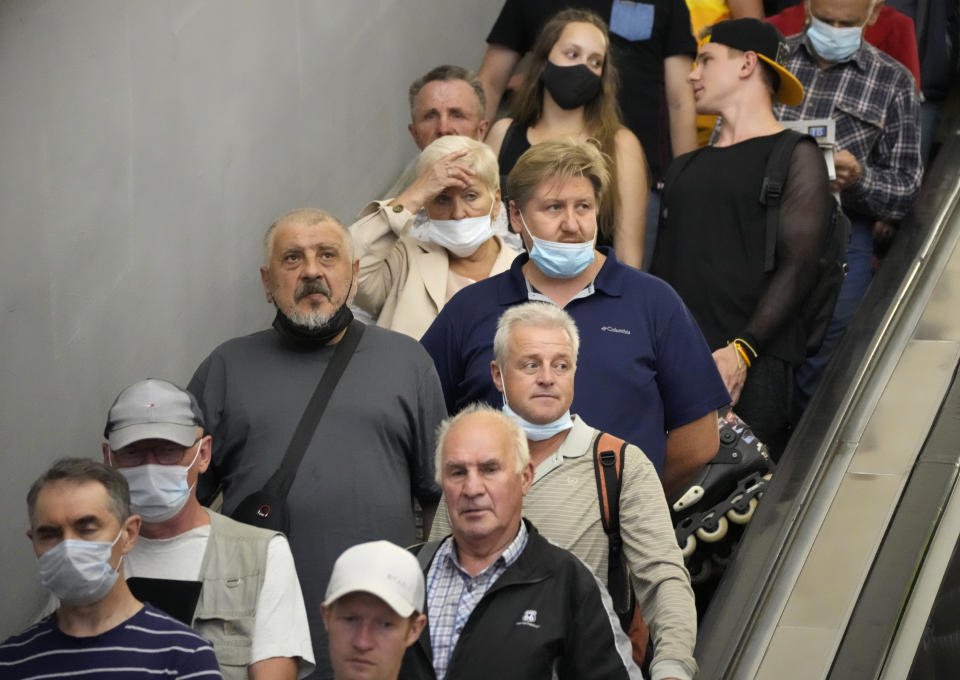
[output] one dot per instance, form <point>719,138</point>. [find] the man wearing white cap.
<point>235,584</point>
<point>372,610</point>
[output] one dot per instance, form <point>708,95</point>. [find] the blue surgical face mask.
<point>159,492</point>
<point>462,237</point>
<point>832,43</point>
<point>79,572</point>
<point>559,260</point>
<point>534,432</point>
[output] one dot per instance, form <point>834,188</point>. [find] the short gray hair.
<point>539,314</point>
<point>78,471</point>
<point>448,72</point>
<point>521,449</point>
<point>309,216</point>
<point>479,158</point>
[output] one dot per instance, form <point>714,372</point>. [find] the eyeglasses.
<point>164,454</point>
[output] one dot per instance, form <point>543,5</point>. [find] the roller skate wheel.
<point>717,534</point>
<point>688,547</point>
<point>742,517</point>
<point>700,573</point>
<point>720,561</point>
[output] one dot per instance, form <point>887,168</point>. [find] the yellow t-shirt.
<point>705,13</point>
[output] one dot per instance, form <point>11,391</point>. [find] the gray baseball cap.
<point>153,409</point>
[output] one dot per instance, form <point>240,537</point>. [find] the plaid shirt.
<point>876,105</point>
<point>452,595</point>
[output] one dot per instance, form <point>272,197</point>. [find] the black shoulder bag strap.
<point>771,191</point>
<point>425,554</point>
<point>282,479</point>
<point>267,508</point>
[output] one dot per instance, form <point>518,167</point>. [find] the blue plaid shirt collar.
<point>448,551</point>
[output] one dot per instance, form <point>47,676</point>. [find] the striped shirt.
<point>452,595</point>
<point>875,103</point>
<point>149,644</point>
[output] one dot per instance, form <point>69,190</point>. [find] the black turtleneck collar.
<point>305,338</point>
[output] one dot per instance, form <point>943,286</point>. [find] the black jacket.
<point>546,612</point>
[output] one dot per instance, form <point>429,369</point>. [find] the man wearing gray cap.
<point>373,610</point>
<point>235,584</point>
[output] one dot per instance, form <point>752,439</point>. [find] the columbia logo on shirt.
<point>612,329</point>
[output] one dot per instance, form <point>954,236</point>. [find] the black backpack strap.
<point>771,190</point>
<point>282,479</point>
<point>608,460</point>
<point>425,553</point>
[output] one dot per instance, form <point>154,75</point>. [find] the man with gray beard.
<point>371,453</point>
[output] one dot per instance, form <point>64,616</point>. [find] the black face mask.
<point>570,86</point>
<point>311,338</point>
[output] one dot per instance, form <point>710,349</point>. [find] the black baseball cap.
<point>753,35</point>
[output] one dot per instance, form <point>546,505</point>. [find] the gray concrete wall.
<point>145,146</point>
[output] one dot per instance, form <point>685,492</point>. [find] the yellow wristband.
<point>743,354</point>
<point>741,343</point>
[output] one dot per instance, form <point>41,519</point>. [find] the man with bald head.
<point>370,454</point>
<point>503,601</point>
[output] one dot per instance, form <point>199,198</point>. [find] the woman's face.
<point>580,43</point>
<point>454,203</point>
<point>563,211</point>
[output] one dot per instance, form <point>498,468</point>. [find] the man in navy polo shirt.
<point>645,373</point>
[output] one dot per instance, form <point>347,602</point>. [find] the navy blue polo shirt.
<point>644,367</point>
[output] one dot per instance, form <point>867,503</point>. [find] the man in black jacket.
<point>501,600</point>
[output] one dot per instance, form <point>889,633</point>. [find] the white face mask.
<point>159,492</point>
<point>79,572</point>
<point>462,237</point>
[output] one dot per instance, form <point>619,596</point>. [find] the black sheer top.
<point>710,245</point>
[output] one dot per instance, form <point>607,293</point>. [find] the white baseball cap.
<point>382,569</point>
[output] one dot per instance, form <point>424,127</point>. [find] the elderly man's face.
<point>446,107</point>
<point>80,511</point>
<point>538,372</point>
<point>841,13</point>
<point>368,638</point>
<point>309,275</point>
<point>483,488</point>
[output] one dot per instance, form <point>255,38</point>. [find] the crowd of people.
<point>417,495</point>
